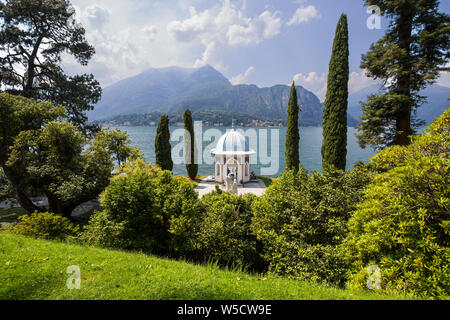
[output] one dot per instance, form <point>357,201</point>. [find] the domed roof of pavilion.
<point>232,143</point>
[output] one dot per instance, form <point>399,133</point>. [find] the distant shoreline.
<point>174,126</point>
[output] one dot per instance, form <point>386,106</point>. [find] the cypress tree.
<point>293,135</point>
<point>334,147</point>
<point>163,149</point>
<point>190,146</point>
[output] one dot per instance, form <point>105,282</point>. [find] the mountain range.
<point>436,102</point>
<point>174,89</point>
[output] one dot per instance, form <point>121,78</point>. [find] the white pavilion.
<point>232,158</point>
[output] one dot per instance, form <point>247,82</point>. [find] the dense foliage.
<point>163,149</point>
<point>292,134</point>
<point>39,151</point>
<point>410,56</point>
<point>330,227</point>
<point>44,225</point>
<point>190,146</point>
<point>144,208</point>
<point>223,230</point>
<point>334,146</point>
<point>302,219</point>
<point>403,224</point>
<point>34,34</point>
<point>6,189</point>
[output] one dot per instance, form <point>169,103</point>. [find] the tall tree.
<point>190,146</point>
<point>410,56</point>
<point>39,151</point>
<point>163,149</point>
<point>293,135</point>
<point>334,147</point>
<point>33,36</point>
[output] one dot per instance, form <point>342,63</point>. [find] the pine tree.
<point>409,57</point>
<point>34,37</point>
<point>293,135</point>
<point>334,147</point>
<point>163,149</point>
<point>190,146</point>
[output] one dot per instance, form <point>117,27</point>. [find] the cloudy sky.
<point>262,42</point>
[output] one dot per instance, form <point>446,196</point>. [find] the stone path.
<point>256,187</point>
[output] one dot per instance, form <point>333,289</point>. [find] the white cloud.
<point>225,24</point>
<point>192,28</point>
<point>222,26</point>
<point>359,81</point>
<point>118,54</point>
<point>317,83</point>
<point>444,79</point>
<point>311,78</point>
<point>241,78</point>
<point>304,14</point>
<point>150,32</point>
<point>265,26</point>
<point>314,82</point>
<point>211,55</point>
<point>96,16</point>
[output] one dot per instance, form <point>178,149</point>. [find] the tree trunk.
<point>404,127</point>
<point>16,180</point>
<point>403,121</point>
<point>28,89</point>
<point>59,207</point>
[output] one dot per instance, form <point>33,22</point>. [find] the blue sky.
<point>262,42</point>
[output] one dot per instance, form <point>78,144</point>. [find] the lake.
<point>270,157</point>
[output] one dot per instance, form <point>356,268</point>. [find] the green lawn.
<point>36,269</point>
<point>198,180</point>
<point>267,181</point>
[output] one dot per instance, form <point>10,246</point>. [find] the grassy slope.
<point>36,269</point>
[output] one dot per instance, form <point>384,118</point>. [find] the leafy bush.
<point>403,225</point>
<point>223,231</point>
<point>45,225</point>
<point>144,208</point>
<point>302,219</point>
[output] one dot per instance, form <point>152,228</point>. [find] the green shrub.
<point>302,219</point>
<point>45,225</point>
<point>403,225</point>
<point>144,208</point>
<point>223,230</point>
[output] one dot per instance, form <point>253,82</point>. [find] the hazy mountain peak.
<point>173,89</point>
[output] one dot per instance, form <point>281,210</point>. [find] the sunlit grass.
<point>267,181</point>
<point>36,269</point>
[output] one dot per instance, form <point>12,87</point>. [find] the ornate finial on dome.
<point>232,124</point>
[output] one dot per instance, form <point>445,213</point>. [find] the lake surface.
<point>270,158</point>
